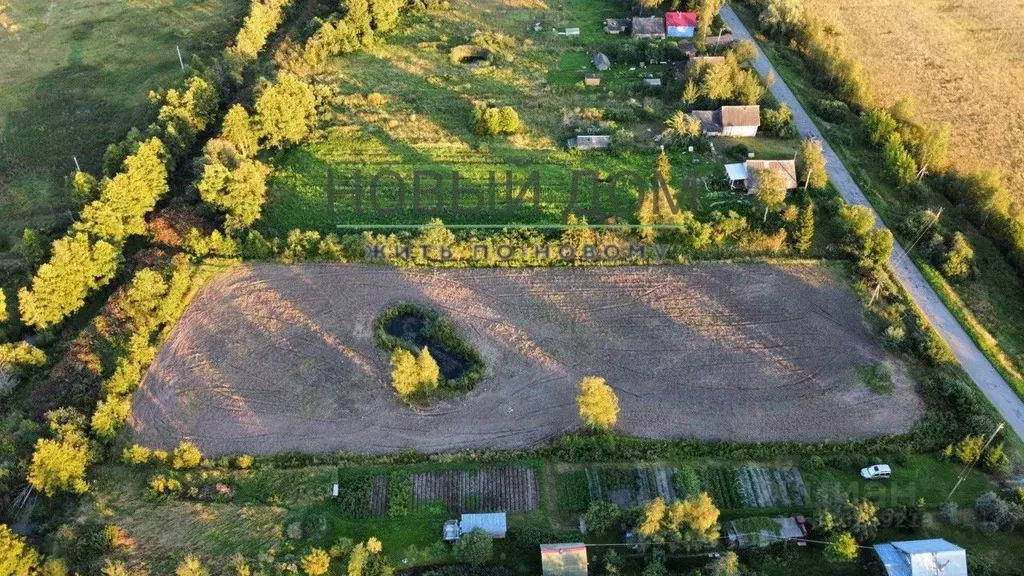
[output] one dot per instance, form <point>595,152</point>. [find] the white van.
<point>876,472</point>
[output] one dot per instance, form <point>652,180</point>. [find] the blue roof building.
<point>923,558</point>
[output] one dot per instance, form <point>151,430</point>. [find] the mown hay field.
<point>961,62</point>
<point>74,77</point>
<point>274,358</point>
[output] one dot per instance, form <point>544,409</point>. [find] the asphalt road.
<point>970,356</point>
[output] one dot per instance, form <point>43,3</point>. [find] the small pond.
<point>413,329</point>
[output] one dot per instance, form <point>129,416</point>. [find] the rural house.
<point>601,62</point>
<point>564,559</point>
<point>680,24</point>
<point>652,81</point>
<point>590,142</point>
<point>592,80</point>
<point>616,25</point>
<point>743,176</point>
<point>735,121</point>
<point>922,558</point>
<point>649,27</point>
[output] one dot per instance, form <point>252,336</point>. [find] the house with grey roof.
<point>743,176</point>
<point>734,121</point>
<point>648,27</point>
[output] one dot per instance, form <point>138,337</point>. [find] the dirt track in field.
<point>273,358</point>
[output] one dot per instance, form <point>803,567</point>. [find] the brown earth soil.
<point>274,358</point>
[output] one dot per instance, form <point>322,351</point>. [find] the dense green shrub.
<point>492,120</point>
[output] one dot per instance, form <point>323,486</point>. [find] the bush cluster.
<point>439,329</point>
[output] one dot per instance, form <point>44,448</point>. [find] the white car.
<point>876,472</point>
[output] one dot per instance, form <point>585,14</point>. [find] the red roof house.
<point>680,24</point>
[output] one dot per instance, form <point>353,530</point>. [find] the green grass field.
<point>75,77</point>
<point>424,123</point>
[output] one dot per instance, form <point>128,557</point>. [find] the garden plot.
<point>272,358</point>
<point>629,487</point>
<point>731,488</point>
<point>771,487</point>
<point>499,489</point>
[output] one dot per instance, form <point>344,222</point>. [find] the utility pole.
<point>970,466</point>
<point>180,60</point>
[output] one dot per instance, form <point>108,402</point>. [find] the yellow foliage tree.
<point>429,372</point>
<point>692,523</point>
<point>599,407</point>
<point>414,374</point>
<point>404,372</point>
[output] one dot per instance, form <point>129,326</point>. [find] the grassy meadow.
<point>74,77</point>
<point>959,61</point>
<point>405,106</point>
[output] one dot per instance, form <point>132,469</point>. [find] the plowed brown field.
<point>275,358</point>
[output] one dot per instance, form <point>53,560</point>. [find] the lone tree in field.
<point>191,566</point>
<point>599,407</point>
<point>771,190</point>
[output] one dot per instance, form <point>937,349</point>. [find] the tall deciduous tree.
<point>286,110</point>
<point>841,548</point>
<point>598,405</point>
<point>813,165</point>
<point>17,558</point>
<point>384,14</point>
<point>901,164</point>
<point>59,463</point>
<point>239,131</point>
<point>932,148</point>
<point>770,190</point>
<point>3,306</point>
<point>691,523</point>
<point>60,287</point>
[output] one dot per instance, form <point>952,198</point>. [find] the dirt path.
<point>273,358</point>
<point>967,352</point>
